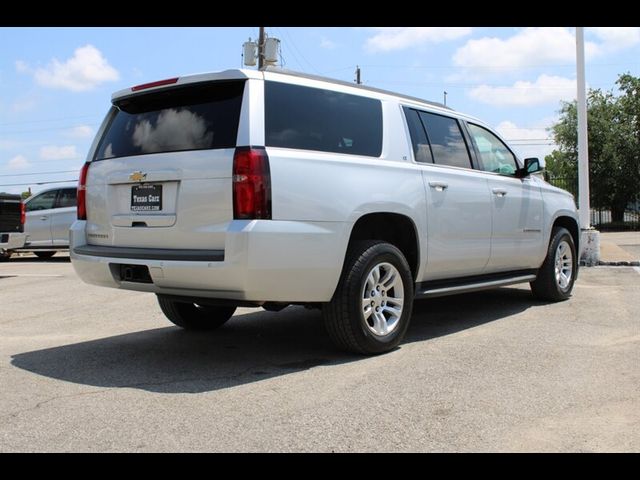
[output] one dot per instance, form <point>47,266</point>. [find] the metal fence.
<point>600,217</point>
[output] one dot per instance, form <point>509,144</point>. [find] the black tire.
<point>551,285</point>
<point>5,255</point>
<point>344,316</point>
<point>191,316</point>
<point>44,255</point>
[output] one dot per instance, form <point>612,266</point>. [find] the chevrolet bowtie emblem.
<point>137,176</point>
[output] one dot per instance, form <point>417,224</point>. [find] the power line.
<point>296,48</point>
<point>38,173</point>
<point>546,139</point>
<point>534,144</point>
<point>524,128</point>
<point>48,120</point>
<point>292,52</point>
<point>350,67</point>
<point>532,65</point>
<point>48,129</point>
<point>36,183</point>
<point>479,84</point>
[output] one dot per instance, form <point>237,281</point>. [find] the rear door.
<point>63,215</point>
<point>161,174</point>
<point>458,203</point>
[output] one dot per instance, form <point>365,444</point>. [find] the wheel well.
<point>393,228</point>
<point>571,225</point>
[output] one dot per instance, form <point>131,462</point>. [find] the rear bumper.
<point>279,261</point>
<point>11,241</point>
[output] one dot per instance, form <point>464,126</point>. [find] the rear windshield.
<point>322,120</point>
<point>197,117</point>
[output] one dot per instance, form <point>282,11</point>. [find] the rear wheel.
<point>4,255</point>
<point>558,272</point>
<point>44,255</point>
<point>192,316</point>
<point>371,308</point>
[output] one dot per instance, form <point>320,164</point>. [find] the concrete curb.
<point>620,264</point>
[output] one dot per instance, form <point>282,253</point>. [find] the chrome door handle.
<point>44,218</point>
<point>439,186</point>
<point>499,192</point>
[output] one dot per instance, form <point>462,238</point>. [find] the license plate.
<point>146,198</point>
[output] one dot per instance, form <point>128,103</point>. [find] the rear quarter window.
<point>194,117</point>
<point>322,120</point>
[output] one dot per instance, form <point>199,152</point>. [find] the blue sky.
<point>56,83</point>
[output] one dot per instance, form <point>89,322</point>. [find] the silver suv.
<point>50,214</point>
<point>270,188</point>
<point>48,217</point>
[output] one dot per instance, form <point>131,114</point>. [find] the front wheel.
<point>371,307</point>
<point>558,272</point>
<point>192,316</point>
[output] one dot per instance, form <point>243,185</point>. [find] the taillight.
<point>251,184</point>
<point>82,192</point>
<point>23,213</point>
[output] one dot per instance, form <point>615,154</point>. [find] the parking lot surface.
<point>85,368</point>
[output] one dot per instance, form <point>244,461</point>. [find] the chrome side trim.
<point>473,287</point>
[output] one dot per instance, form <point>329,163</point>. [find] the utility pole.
<point>261,49</point>
<point>445,98</point>
<point>589,238</point>
<point>358,81</point>
<point>583,144</point>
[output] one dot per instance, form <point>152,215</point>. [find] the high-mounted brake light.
<point>82,192</point>
<point>159,83</point>
<point>251,184</point>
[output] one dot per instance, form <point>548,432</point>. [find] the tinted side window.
<point>494,155</point>
<point>323,120</point>
<point>44,201</point>
<point>421,148</point>
<point>447,143</point>
<point>66,198</point>
<point>197,117</point>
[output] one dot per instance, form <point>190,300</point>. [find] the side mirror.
<point>532,165</point>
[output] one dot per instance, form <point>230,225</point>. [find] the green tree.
<point>614,145</point>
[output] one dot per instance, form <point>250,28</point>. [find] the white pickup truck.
<point>269,188</point>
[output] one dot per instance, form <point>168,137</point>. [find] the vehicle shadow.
<point>251,347</point>
<point>57,258</point>
<point>441,316</point>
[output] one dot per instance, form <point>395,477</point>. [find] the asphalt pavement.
<point>91,369</point>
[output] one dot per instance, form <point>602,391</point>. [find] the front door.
<point>39,210</point>
<point>517,224</point>
<point>516,205</point>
